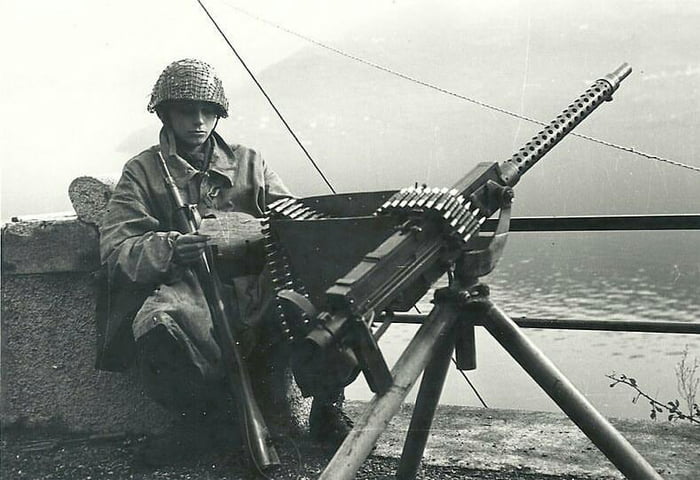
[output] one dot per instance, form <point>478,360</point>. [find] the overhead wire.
<point>267,97</point>
<point>472,100</point>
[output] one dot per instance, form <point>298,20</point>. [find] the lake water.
<point>602,276</point>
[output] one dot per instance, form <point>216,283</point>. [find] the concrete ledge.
<point>49,246</point>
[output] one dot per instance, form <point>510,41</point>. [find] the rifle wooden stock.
<point>262,453</point>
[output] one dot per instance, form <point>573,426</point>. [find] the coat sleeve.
<point>274,187</point>
<point>133,243</point>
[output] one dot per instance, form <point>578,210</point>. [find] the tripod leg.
<point>424,409</point>
<point>358,444</point>
<point>596,427</point>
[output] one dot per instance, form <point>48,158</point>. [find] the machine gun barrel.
<point>262,453</point>
<point>601,91</point>
<point>401,270</point>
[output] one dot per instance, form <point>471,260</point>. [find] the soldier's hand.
<point>188,248</point>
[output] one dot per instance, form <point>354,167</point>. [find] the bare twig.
<point>672,407</point>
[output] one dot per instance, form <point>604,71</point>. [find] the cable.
<point>269,100</point>
<point>470,384</point>
<point>377,66</point>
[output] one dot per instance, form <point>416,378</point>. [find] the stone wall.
<point>48,335</point>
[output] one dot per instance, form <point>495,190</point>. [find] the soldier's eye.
<point>185,109</point>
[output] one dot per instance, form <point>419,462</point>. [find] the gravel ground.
<point>41,456</point>
<point>465,443</point>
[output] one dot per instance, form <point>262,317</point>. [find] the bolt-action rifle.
<point>435,227</point>
<point>256,434</point>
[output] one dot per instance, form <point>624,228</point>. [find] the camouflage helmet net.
<point>189,79</point>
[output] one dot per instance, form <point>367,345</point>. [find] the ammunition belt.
<point>281,273</point>
<point>457,214</point>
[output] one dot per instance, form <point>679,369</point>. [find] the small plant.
<point>688,382</point>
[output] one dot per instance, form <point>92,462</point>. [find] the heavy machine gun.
<point>317,250</point>
<point>423,234</point>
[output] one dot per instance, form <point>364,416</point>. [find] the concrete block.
<point>48,352</point>
<point>89,196</point>
<point>45,246</point>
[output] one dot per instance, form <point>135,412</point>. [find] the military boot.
<point>328,423</point>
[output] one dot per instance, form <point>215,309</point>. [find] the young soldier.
<point>155,311</point>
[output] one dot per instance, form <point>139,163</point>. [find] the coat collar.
<point>222,163</point>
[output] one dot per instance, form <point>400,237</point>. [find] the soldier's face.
<point>192,122</point>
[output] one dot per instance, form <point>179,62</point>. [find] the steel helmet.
<point>189,79</point>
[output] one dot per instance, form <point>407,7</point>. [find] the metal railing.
<point>593,224</point>
<point>600,223</point>
<point>641,326</point>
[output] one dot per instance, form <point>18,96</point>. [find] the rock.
<point>89,196</point>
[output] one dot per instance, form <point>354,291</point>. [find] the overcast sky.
<point>76,74</point>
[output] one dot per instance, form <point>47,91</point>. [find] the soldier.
<point>155,312</point>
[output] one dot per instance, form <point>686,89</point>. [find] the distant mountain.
<point>371,130</point>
